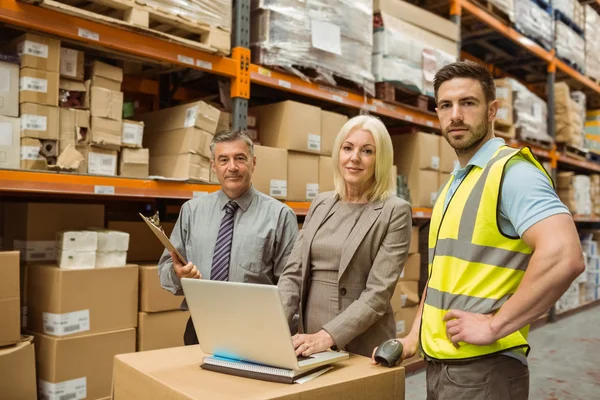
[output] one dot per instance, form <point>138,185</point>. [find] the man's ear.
<point>493,110</point>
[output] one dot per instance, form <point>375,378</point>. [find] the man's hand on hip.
<point>472,328</point>
<point>184,271</point>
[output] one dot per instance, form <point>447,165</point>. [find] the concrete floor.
<point>564,361</point>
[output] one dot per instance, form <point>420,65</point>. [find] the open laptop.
<point>246,322</point>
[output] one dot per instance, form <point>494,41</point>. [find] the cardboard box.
<point>161,330</point>
<point>290,125</point>
<point>179,141</point>
<point>423,186</point>
<point>31,159</point>
<point>200,115</point>
<point>76,302</point>
<point>38,52</point>
<point>106,133</point>
<point>325,174</point>
<point>181,166</point>
<point>105,83</point>
<point>504,90</point>
<point>143,244</point>
<point>40,87</point>
<point>405,295</point>
<point>418,16</point>
<point>414,240</point>
<point>504,116</point>
<point>74,128</point>
<point>72,64</point>
<point>105,103</point>
<point>167,373</point>
<point>82,366</point>
<point>270,174</point>
<point>419,150</point>
<point>412,268</point>
<point>73,94</point>
<point>133,134</point>
<point>153,298</point>
<point>10,306</point>
<point>9,89</point>
<point>10,142</point>
<point>98,161</point>
<point>31,227</point>
<point>448,158</point>
<point>331,124</point>
<point>102,70</point>
<point>443,178</point>
<point>404,320</point>
<point>303,176</point>
<point>17,369</point>
<point>38,121</point>
<point>134,163</point>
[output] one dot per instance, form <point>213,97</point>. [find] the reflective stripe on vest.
<point>473,266</point>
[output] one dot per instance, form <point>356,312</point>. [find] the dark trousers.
<point>189,337</point>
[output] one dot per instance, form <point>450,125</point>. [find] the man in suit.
<point>235,234</point>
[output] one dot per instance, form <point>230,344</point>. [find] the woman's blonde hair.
<point>384,155</point>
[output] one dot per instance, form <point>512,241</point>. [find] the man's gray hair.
<point>231,136</point>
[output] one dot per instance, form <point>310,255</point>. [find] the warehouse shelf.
<point>586,165</point>
<point>586,218</point>
<point>583,307</point>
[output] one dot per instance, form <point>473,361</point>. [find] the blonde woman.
<point>347,258</point>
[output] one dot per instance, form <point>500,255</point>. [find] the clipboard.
<point>154,226</point>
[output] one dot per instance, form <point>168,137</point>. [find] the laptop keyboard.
<point>302,358</point>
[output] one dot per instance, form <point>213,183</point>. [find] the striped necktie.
<point>222,254</point>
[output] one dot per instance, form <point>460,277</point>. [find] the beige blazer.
<point>370,266</point>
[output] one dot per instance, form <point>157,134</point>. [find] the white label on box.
<point>75,389</point>
<point>285,84</point>
<point>400,327</point>
<point>36,250</point>
<point>4,79</point>
<point>132,133</point>
<point>429,123</point>
<point>31,153</point>
<point>6,134</point>
<point>278,188</point>
<point>34,84</point>
<point>314,142</point>
<point>185,59</point>
<point>403,299</point>
<point>190,117</point>
<point>68,62</point>
<point>435,162</point>
<point>326,36</point>
<point>312,190</point>
<point>502,93</point>
<point>408,118</point>
<point>338,98</point>
<point>102,164</point>
<point>502,114</point>
<point>33,123</point>
<point>33,49</point>
<point>204,64</point>
<point>66,324</point>
<point>84,33</point>
<point>101,189</point>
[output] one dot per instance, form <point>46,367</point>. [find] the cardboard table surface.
<point>176,374</point>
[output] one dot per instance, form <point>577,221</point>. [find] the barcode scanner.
<point>389,352</point>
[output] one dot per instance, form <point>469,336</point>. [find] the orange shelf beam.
<point>590,166</point>
<point>294,84</point>
<point>113,38</point>
<point>576,75</point>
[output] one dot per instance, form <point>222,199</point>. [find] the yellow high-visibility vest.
<point>473,266</point>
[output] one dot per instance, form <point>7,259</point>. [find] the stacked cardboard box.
<point>592,47</point>
<point>570,45</point>
<point>17,369</point>
<point>134,161</point>
<point>568,117</point>
<point>10,124</point>
<point>592,130</point>
<point>10,328</point>
<point>178,139</point>
<point>161,323</point>
<point>405,300</point>
<point>91,249</point>
<point>595,193</point>
<point>417,156</point>
<point>504,117</point>
<point>410,44</point>
<point>575,192</point>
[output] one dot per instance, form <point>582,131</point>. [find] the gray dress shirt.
<point>264,233</point>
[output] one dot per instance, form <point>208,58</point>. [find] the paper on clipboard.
<point>160,234</point>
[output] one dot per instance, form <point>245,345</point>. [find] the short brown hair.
<point>231,136</point>
<point>466,69</point>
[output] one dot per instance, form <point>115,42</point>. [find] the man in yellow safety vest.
<point>502,250</point>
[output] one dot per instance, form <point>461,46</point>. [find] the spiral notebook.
<point>258,371</point>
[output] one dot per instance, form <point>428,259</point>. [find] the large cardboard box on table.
<point>10,142</point>
<point>331,124</point>
<point>143,244</point>
<point>271,171</point>
<point>161,330</point>
<point>404,320</point>
<point>81,301</point>
<point>153,298</point>
<point>412,268</point>
<point>303,176</point>
<point>181,166</point>
<point>290,125</point>
<point>81,367</point>
<point>38,121</point>
<point>10,307</point>
<point>167,373</point>
<point>38,52</point>
<point>9,89</point>
<point>17,371</point>
<point>325,174</point>
<point>40,87</point>
<point>199,115</point>
<point>134,163</point>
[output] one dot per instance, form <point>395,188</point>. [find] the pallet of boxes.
<point>569,118</point>
<point>79,295</point>
<point>575,192</point>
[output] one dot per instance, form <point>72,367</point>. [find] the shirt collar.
<point>243,201</point>
<point>483,155</point>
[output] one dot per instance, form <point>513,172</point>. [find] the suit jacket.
<point>371,262</point>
